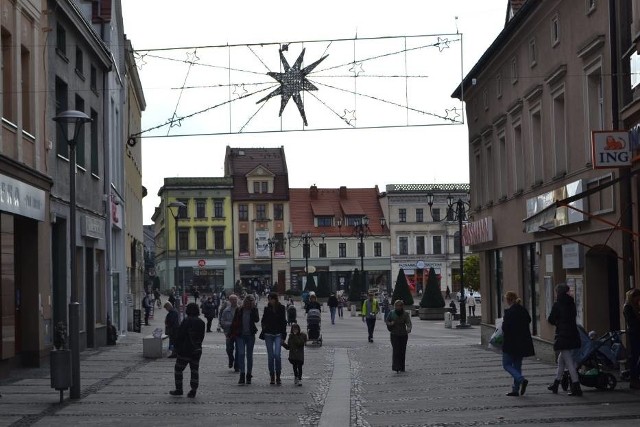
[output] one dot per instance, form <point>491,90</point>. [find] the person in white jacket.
<point>471,303</point>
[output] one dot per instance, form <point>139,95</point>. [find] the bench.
<point>154,348</point>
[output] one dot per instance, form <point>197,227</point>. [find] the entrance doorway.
<point>602,295</point>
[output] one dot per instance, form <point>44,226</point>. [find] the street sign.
<point>202,263</point>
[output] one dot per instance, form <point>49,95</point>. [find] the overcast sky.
<point>355,158</point>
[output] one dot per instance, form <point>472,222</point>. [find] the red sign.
<point>201,263</point>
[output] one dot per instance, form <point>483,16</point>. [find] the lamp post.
<point>77,119</point>
<point>305,240</point>
<point>459,209</point>
<point>178,205</point>
<point>270,243</point>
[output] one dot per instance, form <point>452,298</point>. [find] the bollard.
<point>353,311</point>
<point>447,320</point>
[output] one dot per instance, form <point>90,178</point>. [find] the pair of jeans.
<point>340,311</point>
<point>371,324</point>
<point>634,357</point>
<point>232,352</point>
<point>513,365</point>
<point>332,310</point>
<point>244,348</point>
<point>274,346</point>
<point>399,346</point>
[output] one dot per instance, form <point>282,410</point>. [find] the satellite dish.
<point>311,269</point>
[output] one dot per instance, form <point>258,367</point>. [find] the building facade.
<point>533,100</point>
<point>324,241</point>
<point>202,231</point>
<point>424,237</point>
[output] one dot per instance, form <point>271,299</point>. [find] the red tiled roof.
<point>238,162</point>
<point>306,203</point>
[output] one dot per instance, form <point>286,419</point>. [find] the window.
<point>61,41</point>
<point>377,249</point>
<point>322,250</point>
<point>201,239</point>
<point>485,99</point>
<point>80,142</point>
<point>324,221</point>
<point>499,86</point>
<point>601,201</point>
<point>27,93</point>
<point>437,245</point>
<point>183,210</point>
<point>95,155</point>
<point>595,104</point>
<point>420,248</point>
<point>218,238</point>
<point>456,242</point>
<point>265,187</point>
<point>533,53</point>
<point>7,76</point>
<point>489,177</point>
<point>536,146</point>
<point>555,30</point>
<point>243,246</point>
<point>261,212</point>
<point>279,242</point>
<point>260,186</point>
<point>342,250</point>
<point>361,250</point>
<point>183,239</point>
<point>478,174</point>
<point>278,211</point>
<point>79,62</point>
<point>518,150</point>
<point>93,82</point>
<point>419,215</point>
<point>243,212</point>
<point>218,208</point>
<point>62,148</point>
<point>403,245</point>
<point>504,179</point>
<point>435,214</point>
<point>559,134</point>
<point>514,70</point>
<point>450,213</point>
<point>402,214</point>
<point>201,206</point>
<point>256,186</point>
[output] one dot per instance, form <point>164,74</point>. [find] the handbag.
<point>497,338</point>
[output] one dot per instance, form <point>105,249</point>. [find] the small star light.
<point>139,59</point>
<point>192,57</point>
<point>175,121</point>
<point>356,69</point>
<point>239,90</point>
<point>454,114</point>
<point>349,116</point>
<point>442,44</point>
<point>292,82</point>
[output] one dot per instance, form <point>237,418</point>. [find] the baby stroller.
<point>313,327</point>
<point>291,314</point>
<point>597,359</point>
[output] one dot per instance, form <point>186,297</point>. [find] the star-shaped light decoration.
<point>349,116</point>
<point>442,44</point>
<point>453,112</point>
<point>175,121</point>
<point>356,69</point>
<point>140,62</point>
<point>239,90</point>
<point>292,82</point>
<point>192,57</point>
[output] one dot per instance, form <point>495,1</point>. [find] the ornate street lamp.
<point>456,211</point>
<point>305,240</point>
<point>177,205</point>
<point>76,119</point>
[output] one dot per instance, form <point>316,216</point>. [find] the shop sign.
<point>477,232</point>
<point>611,149</point>
<point>92,227</point>
<point>20,198</point>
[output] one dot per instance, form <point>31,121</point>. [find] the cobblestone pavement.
<point>450,381</point>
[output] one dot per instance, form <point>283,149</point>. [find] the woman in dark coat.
<point>631,313</point>
<point>243,331</point>
<point>274,328</point>
<point>517,342</point>
<point>563,317</point>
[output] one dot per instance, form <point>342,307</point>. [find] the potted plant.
<point>401,291</point>
<point>432,303</point>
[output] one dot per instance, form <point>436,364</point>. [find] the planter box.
<point>474,320</point>
<point>432,313</point>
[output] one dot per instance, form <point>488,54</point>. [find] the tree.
<point>311,284</point>
<point>472,272</point>
<point>432,296</point>
<point>323,286</point>
<point>401,290</point>
<point>354,287</point>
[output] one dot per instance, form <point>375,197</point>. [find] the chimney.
<point>313,191</point>
<point>343,192</point>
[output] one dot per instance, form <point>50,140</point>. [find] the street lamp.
<point>458,210</point>
<point>270,243</point>
<point>305,240</point>
<point>76,119</point>
<point>361,230</point>
<point>176,215</point>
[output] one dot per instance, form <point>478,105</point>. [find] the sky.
<point>354,158</point>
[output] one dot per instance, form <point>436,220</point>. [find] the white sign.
<point>549,263</point>
<point>611,149</point>
<point>571,256</point>
<point>21,198</point>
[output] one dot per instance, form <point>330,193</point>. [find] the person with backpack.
<point>189,349</point>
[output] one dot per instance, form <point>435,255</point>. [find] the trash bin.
<point>448,320</point>
<point>60,370</point>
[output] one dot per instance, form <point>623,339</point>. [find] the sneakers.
<point>191,394</point>
<point>513,393</point>
<point>175,392</point>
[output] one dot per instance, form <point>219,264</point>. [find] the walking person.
<point>189,349</point>
<point>517,342</point>
<point>312,303</point>
<point>226,320</point>
<point>295,345</point>
<point>147,305</point>
<point>274,329</point>
<point>563,317</point>
<point>171,323</point>
<point>369,313</point>
<point>208,311</point>
<point>399,325</point>
<point>341,303</point>
<point>471,303</point>
<point>332,302</point>
<point>244,331</point>
<point>631,313</point>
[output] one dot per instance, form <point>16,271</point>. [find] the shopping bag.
<point>497,338</point>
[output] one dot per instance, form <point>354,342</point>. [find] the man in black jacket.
<point>332,302</point>
<point>189,349</point>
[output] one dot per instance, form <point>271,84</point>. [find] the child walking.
<point>295,345</point>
